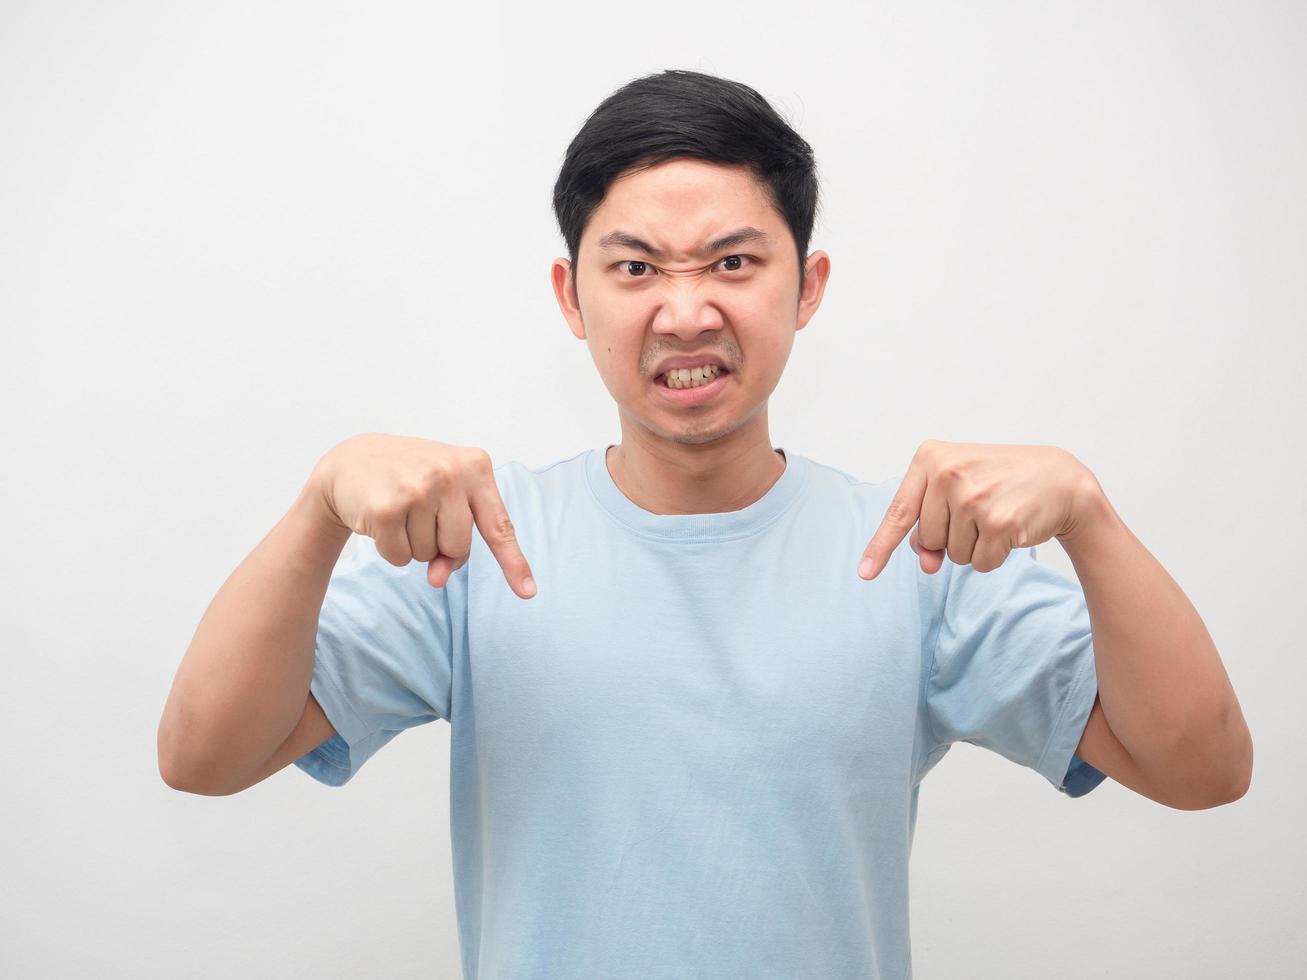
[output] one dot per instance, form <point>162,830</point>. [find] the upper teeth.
<point>691,377</point>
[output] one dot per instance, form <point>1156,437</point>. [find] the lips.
<point>694,397</point>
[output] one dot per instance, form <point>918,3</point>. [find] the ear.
<point>560,274</point>
<point>816,272</point>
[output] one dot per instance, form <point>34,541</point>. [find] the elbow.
<point>182,776</point>
<point>168,776</point>
<point>1211,800</point>
<point>1241,768</point>
<point>168,771</point>
<point>184,784</point>
<point>1244,771</point>
<point>173,776</point>
<point>1236,769</point>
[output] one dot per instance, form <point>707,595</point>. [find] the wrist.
<point>1090,511</point>
<point>313,505</point>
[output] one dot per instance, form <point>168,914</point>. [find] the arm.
<point>1167,722</point>
<point>242,688</point>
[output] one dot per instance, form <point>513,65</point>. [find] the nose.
<point>687,310</point>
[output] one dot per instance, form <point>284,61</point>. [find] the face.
<point>660,273</point>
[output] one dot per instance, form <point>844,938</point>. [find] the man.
<point>694,745</point>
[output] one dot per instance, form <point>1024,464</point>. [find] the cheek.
<point>766,328</point>
<point>615,350</point>
<point>767,299</point>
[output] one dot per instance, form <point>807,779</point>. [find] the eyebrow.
<point>741,236</point>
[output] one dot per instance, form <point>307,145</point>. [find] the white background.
<point>232,235</point>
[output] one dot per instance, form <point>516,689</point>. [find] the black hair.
<point>681,113</point>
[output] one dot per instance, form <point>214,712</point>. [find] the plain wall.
<point>232,235</point>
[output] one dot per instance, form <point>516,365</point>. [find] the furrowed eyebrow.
<point>741,236</point>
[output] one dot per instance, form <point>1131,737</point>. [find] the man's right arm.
<point>240,708</point>
<point>313,729</point>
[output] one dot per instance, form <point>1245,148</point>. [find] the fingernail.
<point>529,585</point>
<point>865,568</point>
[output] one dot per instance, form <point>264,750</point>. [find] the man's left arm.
<point>1166,722</point>
<point>1163,693</point>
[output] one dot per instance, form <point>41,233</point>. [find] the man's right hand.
<point>417,499</point>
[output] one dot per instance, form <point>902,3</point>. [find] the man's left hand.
<point>978,501</point>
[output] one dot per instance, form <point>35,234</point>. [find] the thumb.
<point>439,569</point>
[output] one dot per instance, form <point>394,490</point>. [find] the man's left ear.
<point>816,272</point>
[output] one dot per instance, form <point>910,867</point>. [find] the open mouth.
<point>682,380</point>
<point>694,391</point>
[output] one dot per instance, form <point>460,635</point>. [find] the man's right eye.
<point>634,267</point>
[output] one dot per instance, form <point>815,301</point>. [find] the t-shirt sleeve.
<point>1013,668</point>
<point>383,656</point>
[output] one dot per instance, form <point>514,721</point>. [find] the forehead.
<point>680,204</point>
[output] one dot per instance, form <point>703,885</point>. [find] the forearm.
<point>244,681</point>
<point>1164,690</point>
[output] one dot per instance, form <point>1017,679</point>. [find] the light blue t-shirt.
<point>696,752</point>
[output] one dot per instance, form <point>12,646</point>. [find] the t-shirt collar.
<point>695,527</point>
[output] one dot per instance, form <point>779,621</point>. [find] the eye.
<point>638,267</point>
<point>736,259</point>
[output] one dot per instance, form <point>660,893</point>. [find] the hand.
<point>978,502</point>
<point>418,500</point>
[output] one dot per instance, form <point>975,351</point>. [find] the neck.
<point>714,477</point>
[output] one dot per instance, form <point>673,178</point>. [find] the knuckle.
<point>502,527</point>
<point>1003,523</point>
<point>465,463</point>
<point>438,473</point>
<point>973,500</point>
<point>1004,531</point>
<point>389,512</point>
<point>409,492</point>
<point>898,512</point>
<point>953,469</point>
<point>431,481</point>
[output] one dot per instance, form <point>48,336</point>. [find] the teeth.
<point>691,377</point>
